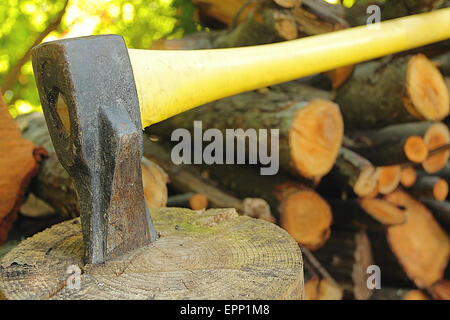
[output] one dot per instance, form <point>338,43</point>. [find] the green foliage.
<point>140,22</point>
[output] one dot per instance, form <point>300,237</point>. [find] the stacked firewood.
<point>364,155</point>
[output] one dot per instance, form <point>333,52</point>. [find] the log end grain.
<point>426,88</point>
<point>307,217</point>
<point>198,202</point>
<point>154,181</point>
<point>440,190</point>
<point>436,136</point>
<point>415,149</point>
<point>315,137</point>
<point>213,254</point>
<point>367,183</point>
<point>388,178</point>
<point>408,176</point>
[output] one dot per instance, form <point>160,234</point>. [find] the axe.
<point>97,95</point>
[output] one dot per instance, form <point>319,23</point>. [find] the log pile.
<point>363,155</point>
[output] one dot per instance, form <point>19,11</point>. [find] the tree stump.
<point>213,254</point>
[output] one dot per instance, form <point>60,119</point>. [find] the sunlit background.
<point>25,23</point>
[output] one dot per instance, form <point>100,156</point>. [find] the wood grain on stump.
<point>212,254</point>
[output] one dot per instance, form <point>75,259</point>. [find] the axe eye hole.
<point>59,108</point>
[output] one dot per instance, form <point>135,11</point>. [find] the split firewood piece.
<point>355,171</point>
<point>408,176</point>
<point>388,178</point>
<point>189,180</point>
<point>383,211</point>
<point>420,244</point>
<point>435,137</point>
<point>54,185</point>
<point>394,144</point>
<point>440,210</point>
<point>432,187</point>
<point>346,256</point>
<point>19,162</point>
<point>401,89</point>
<point>415,295</point>
<point>310,133</point>
<point>441,290</point>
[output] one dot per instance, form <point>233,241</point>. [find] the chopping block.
<point>118,248</point>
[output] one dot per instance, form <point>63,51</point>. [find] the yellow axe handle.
<point>170,82</point>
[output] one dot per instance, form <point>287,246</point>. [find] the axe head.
<point>89,98</point>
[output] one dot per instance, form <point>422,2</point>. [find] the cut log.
<point>441,290</point>
<point>19,162</point>
<point>432,187</point>
<point>310,134</point>
<point>346,256</point>
<point>188,179</point>
<point>198,202</point>
<point>154,180</point>
<point>388,178</point>
<point>355,171</point>
<point>415,295</point>
<point>191,260</point>
<point>383,211</point>
<point>408,176</point>
<point>53,184</point>
<point>401,89</point>
<point>435,137</point>
<point>394,144</point>
<point>421,246</point>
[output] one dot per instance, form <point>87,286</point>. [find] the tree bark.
<point>352,170</point>
<point>392,145</point>
<point>393,90</point>
<point>310,134</point>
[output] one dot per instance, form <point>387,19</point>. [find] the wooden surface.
<point>212,254</point>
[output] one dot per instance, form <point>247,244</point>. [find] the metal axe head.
<point>88,94</point>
